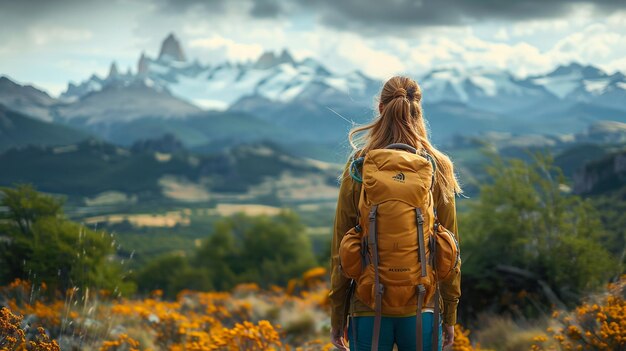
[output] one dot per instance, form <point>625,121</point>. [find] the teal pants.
<point>393,330</point>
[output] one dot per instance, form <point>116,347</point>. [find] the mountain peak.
<point>587,71</point>
<point>113,71</point>
<point>142,65</point>
<point>269,59</point>
<point>171,49</point>
<point>5,80</point>
<point>285,56</point>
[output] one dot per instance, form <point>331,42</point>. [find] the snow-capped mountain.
<point>499,91</point>
<point>488,89</point>
<point>278,78</point>
<point>586,84</point>
<point>309,102</point>
<point>274,82</point>
<point>120,101</point>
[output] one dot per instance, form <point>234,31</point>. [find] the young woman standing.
<point>400,121</point>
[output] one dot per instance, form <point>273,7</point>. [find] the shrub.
<point>44,246</point>
<point>598,324</point>
<point>527,245</point>
<point>263,250</point>
<point>13,336</point>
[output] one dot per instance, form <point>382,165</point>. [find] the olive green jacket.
<point>346,218</point>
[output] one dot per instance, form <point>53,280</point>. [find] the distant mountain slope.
<point>26,99</point>
<point>120,102</point>
<point>571,152</point>
<point>216,128</point>
<point>18,130</point>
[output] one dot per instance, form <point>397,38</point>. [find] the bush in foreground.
<point>598,324</point>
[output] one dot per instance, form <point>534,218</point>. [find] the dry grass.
<point>225,210</point>
<point>505,334</point>
<point>167,220</point>
<point>184,191</point>
<point>110,198</point>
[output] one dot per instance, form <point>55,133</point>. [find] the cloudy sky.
<point>48,43</point>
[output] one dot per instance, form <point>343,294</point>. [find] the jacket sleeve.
<point>345,218</point>
<point>451,287</point>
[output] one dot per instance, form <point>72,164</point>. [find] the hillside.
<point>571,152</point>
<point>606,175</point>
<point>205,131</point>
<point>18,130</point>
<point>26,99</point>
<point>91,168</point>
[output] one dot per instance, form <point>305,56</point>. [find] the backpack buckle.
<point>421,289</point>
<point>372,215</point>
<point>381,289</point>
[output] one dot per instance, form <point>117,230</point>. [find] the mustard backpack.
<point>397,252</point>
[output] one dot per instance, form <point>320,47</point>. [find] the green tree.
<point>42,245</point>
<point>264,250</point>
<point>612,208</point>
<point>527,233</point>
<point>221,251</point>
<point>172,273</point>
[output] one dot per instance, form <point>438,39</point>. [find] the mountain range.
<point>294,102</point>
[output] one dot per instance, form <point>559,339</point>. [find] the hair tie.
<point>399,93</point>
<point>410,93</point>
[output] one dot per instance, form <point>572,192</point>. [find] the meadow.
<point>248,318</point>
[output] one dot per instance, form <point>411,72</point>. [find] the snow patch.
<point>596,87</point>
<point>208,104</point>
<point>487,85</point>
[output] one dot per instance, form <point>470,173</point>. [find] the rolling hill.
<point>90,168</point>
<point>18,130</point>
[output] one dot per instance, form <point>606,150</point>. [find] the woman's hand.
<point>337,339</point>
<point>448,335</point>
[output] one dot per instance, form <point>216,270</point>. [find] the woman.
<point>400,121</point>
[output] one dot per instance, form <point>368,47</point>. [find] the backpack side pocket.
<point>448,256</point>
<point>351,254</point>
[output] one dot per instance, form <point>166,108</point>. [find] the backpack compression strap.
<point>433,252</point>
<point>373,240</point>
<point>421,290</point>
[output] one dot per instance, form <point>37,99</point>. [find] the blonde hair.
<point>402,121</point>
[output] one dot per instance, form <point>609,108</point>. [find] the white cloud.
<point>617,65</point>
<point>44,35</point>
<point>596,44</point>
<point>232,49</point>
<point>501,34</point>
<point>617,19</point>
<point>45,51</point>
<point>85,68</point>
<point>377,63</point>
<point>528,28</point>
